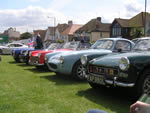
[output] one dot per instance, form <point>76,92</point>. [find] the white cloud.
<point>32,18</point>
<point>29,18</point>
<point>34,0</point>
<point>132,7</point>
<point>59,4</point>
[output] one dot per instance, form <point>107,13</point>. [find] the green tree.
<point>59,41</point>
<point>25,35</point>
<point>136,32</point>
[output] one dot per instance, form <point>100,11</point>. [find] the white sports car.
<point>7,48</point>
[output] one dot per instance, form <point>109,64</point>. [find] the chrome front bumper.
<point>113,82</point>
<point>35,63</point>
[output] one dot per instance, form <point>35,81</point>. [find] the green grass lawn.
<point>24,89</point>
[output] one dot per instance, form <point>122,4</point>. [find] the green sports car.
<point>131,69</point>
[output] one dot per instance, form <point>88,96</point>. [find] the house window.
<point>116,30</point>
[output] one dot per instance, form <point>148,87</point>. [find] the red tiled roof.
<point>123,22</point>
<point>136,21</point>
<point>71,29</point>
<point>94,25</point>
<point>62,27</point>
<point>139,19</point>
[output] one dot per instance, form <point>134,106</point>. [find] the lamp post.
<point>54,23</point>
<point>145,19</point>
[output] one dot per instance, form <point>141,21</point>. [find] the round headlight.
<point>124,64</point>
<point>84,60</point>
<point>61,59</point>
<point>39,55</point>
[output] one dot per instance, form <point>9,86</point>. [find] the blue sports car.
<point>69,63</point>
<point>16,52</point>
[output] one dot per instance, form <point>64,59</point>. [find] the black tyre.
<point>17,60</point>
<point>1,52</point>
<point>78,71</point>
<point>27,62</point>
<point>143,84</point>
<point>39,67</point>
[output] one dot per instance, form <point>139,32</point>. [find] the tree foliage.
<point>136,32</point>
<point>59,41</point>
<point>25,35</point>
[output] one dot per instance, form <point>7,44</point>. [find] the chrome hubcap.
<point>146,85</point>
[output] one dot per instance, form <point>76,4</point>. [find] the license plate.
<point>111,72</point>
<point>98,80</point>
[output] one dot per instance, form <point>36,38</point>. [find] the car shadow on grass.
<point>12,62</point>
<point>23,65</point>
<point>37,70</point>
<point>110,98</point>
<point>62,79</point>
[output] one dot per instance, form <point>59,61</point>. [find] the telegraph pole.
<point>54,24</point>
<point>145,19</point>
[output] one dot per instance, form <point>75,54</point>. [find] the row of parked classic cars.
<point>110,62</point>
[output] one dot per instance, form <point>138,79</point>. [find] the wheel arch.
<point>142,71</point>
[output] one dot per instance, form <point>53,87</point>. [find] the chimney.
<point>99,19</point>
<point>70,22</point>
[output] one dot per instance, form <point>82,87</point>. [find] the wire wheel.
<point>146,85</point>
<point>80,72</point>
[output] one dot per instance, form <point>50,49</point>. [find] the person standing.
<point>38,43</point>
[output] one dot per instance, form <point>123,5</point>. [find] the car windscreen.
<point>53,46</point>
<point>142,45</point>
<point>102,44</point>
<point>70,45</point>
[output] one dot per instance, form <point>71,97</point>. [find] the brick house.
<point>94,30</point>
<point>54,33</point>
<point>12,34</point>
<point>126,27</point>
<point>68,33</point>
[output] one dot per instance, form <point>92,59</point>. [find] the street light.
<point>145,19</point>
<point>54,23</point>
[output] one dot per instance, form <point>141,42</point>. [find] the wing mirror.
<point>119,50</point>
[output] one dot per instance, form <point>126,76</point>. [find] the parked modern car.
<point>69,63</point>
<point>131,69</point>
<point>39,59</point>
<point>7,48</point>
<point>24,54</point>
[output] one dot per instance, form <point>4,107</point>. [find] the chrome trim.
<point>119,83</point>
<point>35,64</point>
<point>114,82</point>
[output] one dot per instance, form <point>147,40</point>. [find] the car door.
<point>122,46</point>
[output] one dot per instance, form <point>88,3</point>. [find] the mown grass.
<point>24,89</point>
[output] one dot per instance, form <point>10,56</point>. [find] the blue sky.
<point>28,15</point>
